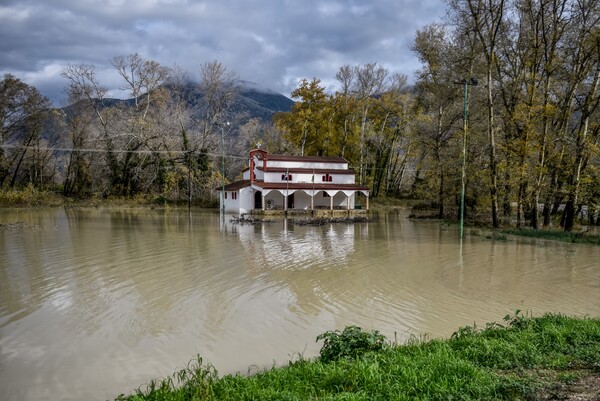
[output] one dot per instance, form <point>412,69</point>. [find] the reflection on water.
<point>95,302</point>
<point>283,245</point>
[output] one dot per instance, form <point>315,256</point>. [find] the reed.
<point>515,359</point>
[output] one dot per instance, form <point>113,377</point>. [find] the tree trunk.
<point>493,157</point>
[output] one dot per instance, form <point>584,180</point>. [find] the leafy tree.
<point>583,58</point>
<point>306,125</point>
<point>437,99</point>
<point>486,19</point>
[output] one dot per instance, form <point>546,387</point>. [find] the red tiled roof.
<point>310,185</point>
<point>236,186</point>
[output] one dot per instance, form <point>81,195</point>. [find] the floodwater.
<point>96,302</point>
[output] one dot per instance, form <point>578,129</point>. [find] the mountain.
<point>261,103</point>
<point>252,101</point>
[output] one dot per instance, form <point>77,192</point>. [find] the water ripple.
<point>109,299</point>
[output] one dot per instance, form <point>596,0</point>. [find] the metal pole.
<point>464,157</point>
<point>189,181</point>
<point>223,172</point>
<point>466,83</point>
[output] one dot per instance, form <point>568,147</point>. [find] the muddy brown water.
<point>96,302</point>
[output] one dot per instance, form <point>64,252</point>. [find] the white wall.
<point>246,198</point>
<point>307,178</point>
<point>315,165</point>
<point>259,174</point>
<point>231,205</point>
<point>243,204</point>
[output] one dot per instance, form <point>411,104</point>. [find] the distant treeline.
<point>510,88</point>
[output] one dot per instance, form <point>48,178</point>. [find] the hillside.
<point>261,103</point>
<point>252,101</point>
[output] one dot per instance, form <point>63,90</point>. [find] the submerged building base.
<point>317,213</point>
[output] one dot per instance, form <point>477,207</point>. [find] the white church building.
<point>286,183</point>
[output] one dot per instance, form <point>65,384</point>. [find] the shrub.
<point>350,343</point>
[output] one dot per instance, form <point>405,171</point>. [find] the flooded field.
<point>95,302</point>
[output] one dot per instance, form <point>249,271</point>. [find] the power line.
<point>117,151</point>
<point>168,152</point>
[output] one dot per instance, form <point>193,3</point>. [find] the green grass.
<point>499,362</point>
<point>574,237</point>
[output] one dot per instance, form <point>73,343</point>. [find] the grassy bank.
<point>33,197</point>
<point>29,197</point>
<point>522,358</point>
<point>575,237</point>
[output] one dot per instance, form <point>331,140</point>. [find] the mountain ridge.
<point>251,101</point>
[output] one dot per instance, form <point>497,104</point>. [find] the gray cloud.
<point>273,43</point>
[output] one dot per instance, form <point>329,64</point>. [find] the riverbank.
<point>33,197</point>
<point>534,358</point>
<point>587,236</point>
<point>582,234</point>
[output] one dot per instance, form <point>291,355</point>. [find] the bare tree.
<point>219,88</point>
<point>143,78</point>
<point>345,77</point>
<point>370,81</point>
<point>143,131</point>
<point>86,94</point>
<point>21,109</point>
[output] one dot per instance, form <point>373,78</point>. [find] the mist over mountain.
<point>251,101</point>
<point>260,102</point>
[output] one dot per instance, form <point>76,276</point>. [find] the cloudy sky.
<point>273,43</point>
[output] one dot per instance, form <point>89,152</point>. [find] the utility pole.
<point>222,125</point>
<point>466,84</point>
